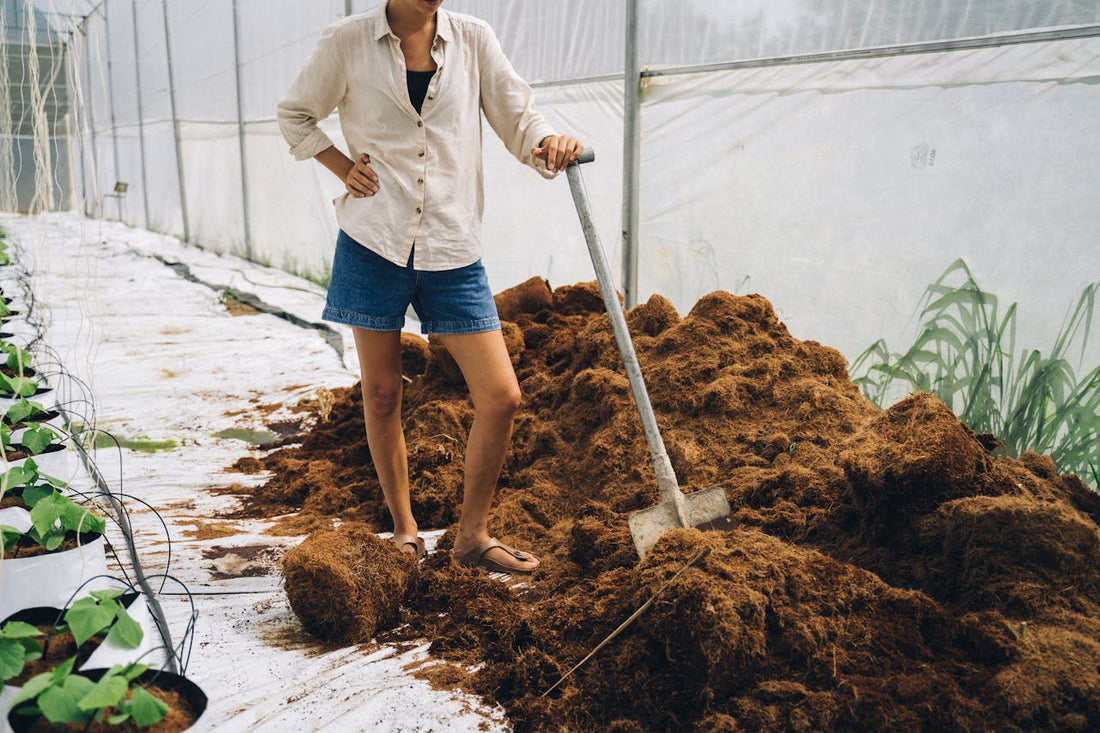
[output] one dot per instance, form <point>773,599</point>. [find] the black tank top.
<point>418,82</point>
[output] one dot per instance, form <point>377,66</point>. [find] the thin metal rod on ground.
<point>694,559</point>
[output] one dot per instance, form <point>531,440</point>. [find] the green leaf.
<point>33,494</point>
<point>107,693</point>
<point>48,511</point>
<point>18,630</point>
<point>107,594</point>
<point>21,410</point>
<point>61,703</point>
<point>18,360</point>
<point>51,480</point>
<point>37,438</point>
<point>118,718</point>
<point>17,386</point>
<point>126,632</point>
<point>86,618</point>
<point>53,541</point>
<point>79,519</point>
<point>17,476</point>
<point>12,657</point>
<point>33,687</point>
<point>8,537</point>
<point>147,709</point>
<point>134,671</point>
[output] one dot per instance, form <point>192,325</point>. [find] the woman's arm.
<point>358,177</point>
<point>318,88</point>
<point>508,103</point>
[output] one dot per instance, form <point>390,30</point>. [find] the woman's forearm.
<point>335,160</point>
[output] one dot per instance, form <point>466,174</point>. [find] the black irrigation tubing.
<point>329,334</point>
<point>147,505</point>
<point>187,639</point>
<point>123,518</point>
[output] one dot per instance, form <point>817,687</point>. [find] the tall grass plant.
<point>966,354</point>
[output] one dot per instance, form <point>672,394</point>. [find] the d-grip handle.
<point>587,156</point>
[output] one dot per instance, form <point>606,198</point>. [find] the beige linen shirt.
<point>429,164</point>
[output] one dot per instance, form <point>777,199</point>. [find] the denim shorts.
<point>368,291</point>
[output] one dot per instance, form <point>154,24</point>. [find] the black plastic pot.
<point>187,689</point>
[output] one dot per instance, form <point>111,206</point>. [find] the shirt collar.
<point>381,26</point>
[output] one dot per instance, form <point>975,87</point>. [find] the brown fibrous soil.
<point>346,584</point>
<point>889,569</point>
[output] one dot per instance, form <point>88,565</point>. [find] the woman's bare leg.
<point>380,368</point>
<point>483,359</point>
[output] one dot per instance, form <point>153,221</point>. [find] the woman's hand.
<point>558,151</point>
<point>361,180</point>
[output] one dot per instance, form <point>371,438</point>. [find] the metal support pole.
<point>141,117</point>
<point>631,156</point>
<point>111,100</point>
<point>240,130</point>
<point>347,8</point>
<point>175,124</point>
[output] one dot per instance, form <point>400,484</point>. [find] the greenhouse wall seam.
<point>905,49</point>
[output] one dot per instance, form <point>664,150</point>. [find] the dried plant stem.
<point>695,558</point>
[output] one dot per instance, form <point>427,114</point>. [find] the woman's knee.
<point>501,404</point>
<point>382,398</point>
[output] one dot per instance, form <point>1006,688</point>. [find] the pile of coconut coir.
<point>889,569</point>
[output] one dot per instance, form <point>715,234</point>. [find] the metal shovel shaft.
<point>666,477</point>
<point>707,509</point>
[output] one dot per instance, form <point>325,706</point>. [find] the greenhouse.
<point>787,404</point>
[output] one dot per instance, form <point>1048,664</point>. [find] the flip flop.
<point>475,558</point>
<point>400,540</point>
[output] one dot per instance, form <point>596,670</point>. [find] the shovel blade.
<point>707,509</point>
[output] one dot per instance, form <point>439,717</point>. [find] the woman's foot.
<point>496,557</point>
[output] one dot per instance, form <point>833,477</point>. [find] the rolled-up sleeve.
<point>315,93</point>
<point>509,104</point>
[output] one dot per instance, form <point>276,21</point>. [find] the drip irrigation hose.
<point>123,520</point>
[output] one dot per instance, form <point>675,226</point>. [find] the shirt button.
<point>420,181</point>
<point>431,96</point>
<point>418,209</point>
<point>420,153</point>
<point>420,123</point>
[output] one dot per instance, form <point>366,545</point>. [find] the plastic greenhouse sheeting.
<point>838,188</point>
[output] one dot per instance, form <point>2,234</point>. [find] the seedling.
<point>23,410</point>
<point>17,647</point>
<point>17,359</point>
<point>63,697</point>
<point>34,439</point>
<point>56,517</point>
<point>30,485</point>
<point>102,613</point>
<point>17,386</point>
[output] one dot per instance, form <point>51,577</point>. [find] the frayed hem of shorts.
<point>358,320</point>
<point>460,328</point>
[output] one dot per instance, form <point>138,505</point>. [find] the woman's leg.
<point>380,367</point>
<point>483,359</point>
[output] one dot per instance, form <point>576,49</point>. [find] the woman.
<point>411,82</point>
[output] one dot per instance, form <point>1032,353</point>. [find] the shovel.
<point>706,509</point>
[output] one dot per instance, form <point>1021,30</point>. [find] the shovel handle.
<point>587,156</point>
<point>666,477</point>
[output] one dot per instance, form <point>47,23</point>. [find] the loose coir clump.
<point>346,584</point>
<point>887,570</point>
